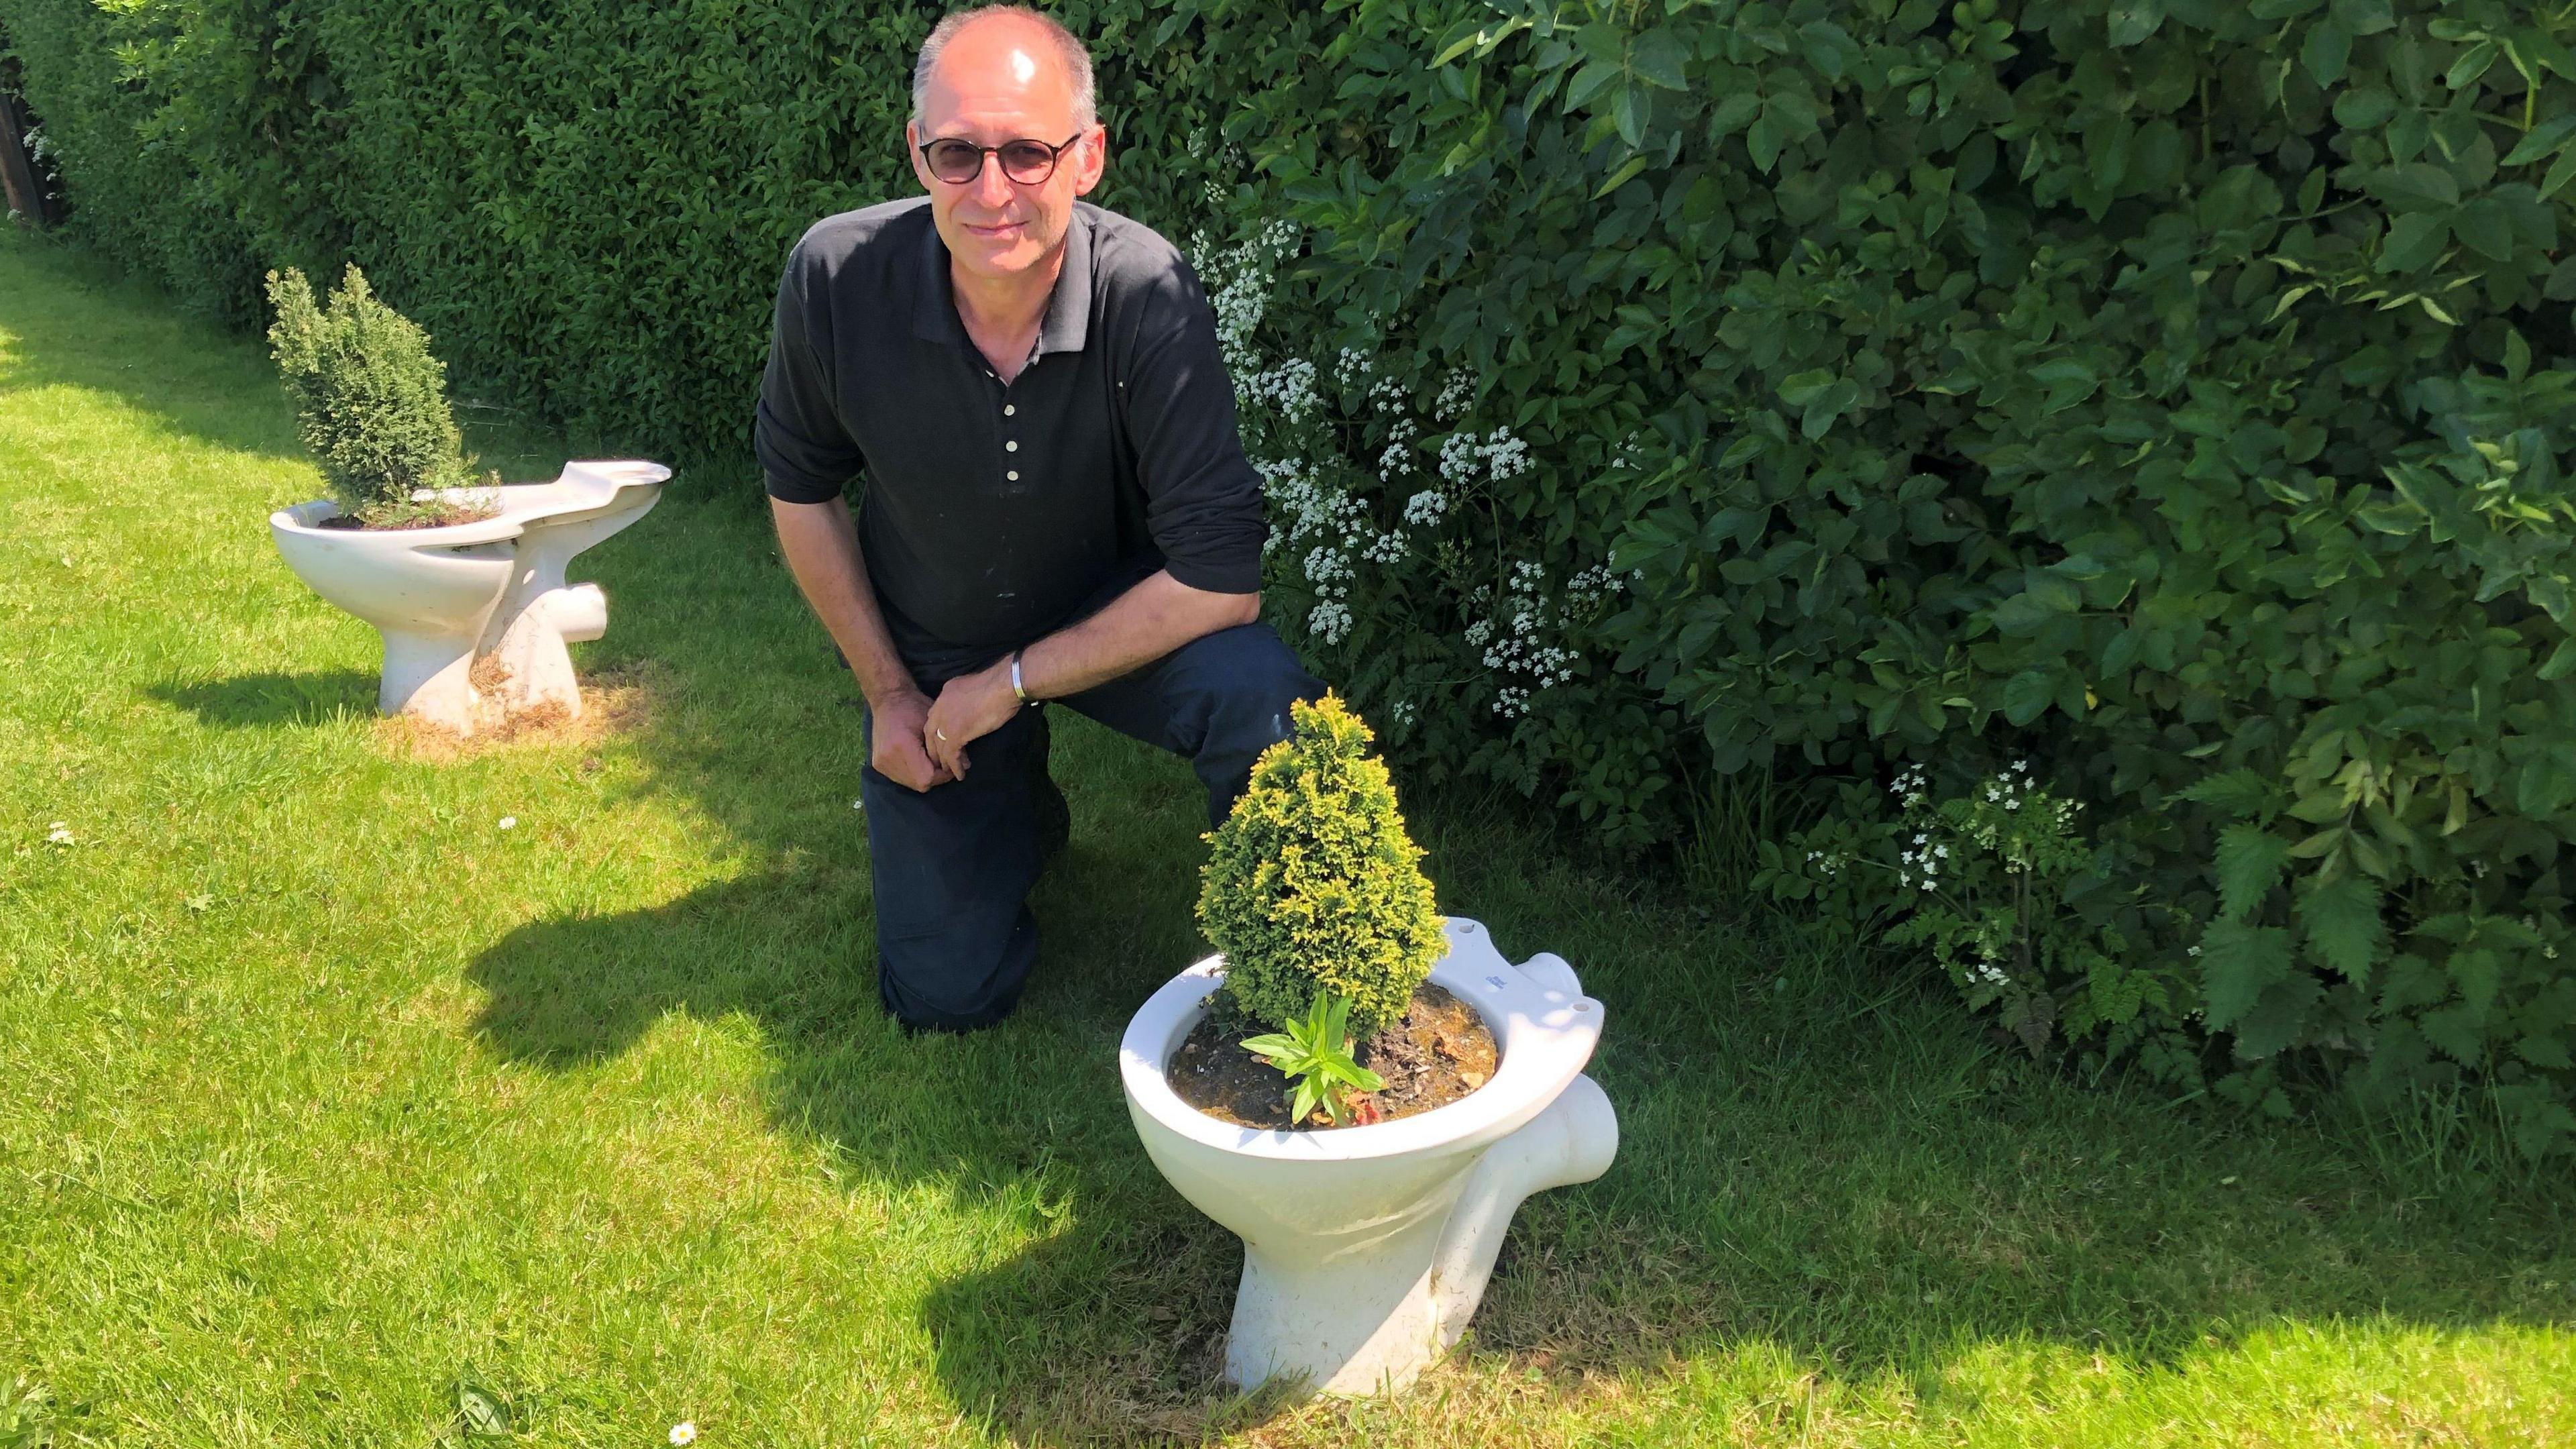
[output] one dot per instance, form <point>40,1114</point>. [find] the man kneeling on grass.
<point>1056,503</point>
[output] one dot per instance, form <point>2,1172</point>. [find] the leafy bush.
<point>2168,392</point>
<point>1313,887</point>
<point>370,397</point>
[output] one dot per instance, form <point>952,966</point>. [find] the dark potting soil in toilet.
<point>1439,1053</point>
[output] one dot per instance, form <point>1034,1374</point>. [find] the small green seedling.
<point>1316,1055</point>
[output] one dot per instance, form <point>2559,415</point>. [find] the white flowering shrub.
<point>1405,556</point>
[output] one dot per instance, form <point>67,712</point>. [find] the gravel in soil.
<point>1439,1053</point>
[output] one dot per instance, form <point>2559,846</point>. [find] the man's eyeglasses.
<point>958,162</point>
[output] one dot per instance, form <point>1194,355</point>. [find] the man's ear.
<point>912,152</point>
<point>1095,160</point>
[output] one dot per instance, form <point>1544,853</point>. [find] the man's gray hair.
<point>1069,50</point>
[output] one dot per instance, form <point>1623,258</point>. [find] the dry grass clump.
<point>618,700</point>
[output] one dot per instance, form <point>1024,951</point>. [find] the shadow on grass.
<point>265,701</point>
<point>1839,1169</point>
<point>1844,1172</point>
<point>152,356</point>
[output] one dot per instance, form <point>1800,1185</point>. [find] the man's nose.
<point>991,187</point>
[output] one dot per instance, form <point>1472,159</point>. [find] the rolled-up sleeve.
<point>806,454</point>
<point>1202,498</point>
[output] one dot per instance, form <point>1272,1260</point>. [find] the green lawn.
<point>324,1100</point>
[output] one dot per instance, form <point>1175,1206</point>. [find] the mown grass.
<point>324,1101</point>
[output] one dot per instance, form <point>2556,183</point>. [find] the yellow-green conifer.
<point>1313,883</point>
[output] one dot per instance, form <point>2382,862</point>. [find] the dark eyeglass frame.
<point>1055,154</point>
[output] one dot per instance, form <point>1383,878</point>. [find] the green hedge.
<point>2172,393</point>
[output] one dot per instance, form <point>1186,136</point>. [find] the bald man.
<point>1025,393</point>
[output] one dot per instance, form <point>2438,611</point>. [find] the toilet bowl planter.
<point>483,600</point>
<point>1366,1249</point>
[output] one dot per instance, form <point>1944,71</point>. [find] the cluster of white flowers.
<point>1426,508</point>
<point>1455,394</point>
<point>1626,456</point>
<point>1828,864</point>
<point>1908,785</point>
<point>1402,713</point>
<point>1926,858</point>
<point>1307,508</point>
<point>1387,396</point>
<point>40,145</point>
<point>1238,282</point>
<point>1593,585</point>
<point>1288,389</point>
<point>1498,456</point>
<point>2007,788</point>
<point>1519,647</point>
<point>1329,570</point>
<point>1301,504</point>
<point>1458,458</point>
<point>1216,197</point>
<point>58,834</point>
<point>1398,457</point>
<point>1351,366</point>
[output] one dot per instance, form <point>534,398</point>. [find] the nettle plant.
<point>371,399</point>
<point>1997,883</point>
<point>1313,890</point>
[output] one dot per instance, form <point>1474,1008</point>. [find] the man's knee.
<point>1251,677</point>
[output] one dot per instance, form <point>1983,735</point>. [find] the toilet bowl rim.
<point>608,479</point>
<point>1546,1038</point>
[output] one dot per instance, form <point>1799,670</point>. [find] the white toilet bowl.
<point>444,598</point>
<point>1366,1249</point>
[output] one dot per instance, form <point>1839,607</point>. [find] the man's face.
<point>1000,80</point>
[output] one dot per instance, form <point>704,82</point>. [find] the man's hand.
<point>970,707</point>
<point>896,729</point>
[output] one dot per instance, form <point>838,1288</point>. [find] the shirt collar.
<point>1067,324</point>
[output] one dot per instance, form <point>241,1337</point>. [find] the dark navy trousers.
<point>954,864</point>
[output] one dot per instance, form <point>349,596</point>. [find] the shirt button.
<point>1013,475</point>
<point>1011,447</point>
<point>1008,409</point>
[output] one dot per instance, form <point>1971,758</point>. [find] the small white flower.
<point>684,1432</point>
<point>60,834</point>
<point>509,822</point>
<point>858,804</point>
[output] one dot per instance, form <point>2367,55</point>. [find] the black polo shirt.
<point>991,512</point>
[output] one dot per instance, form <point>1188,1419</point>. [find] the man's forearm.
<point>1157,616</point>
<point>823,553</point>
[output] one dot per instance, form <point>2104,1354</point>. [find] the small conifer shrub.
<point>370,396</point>
<point>1313,884</point>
